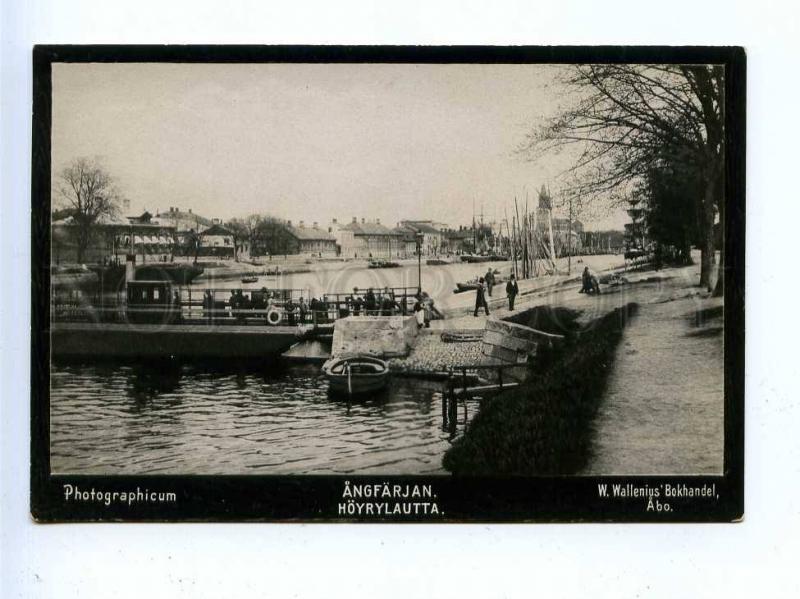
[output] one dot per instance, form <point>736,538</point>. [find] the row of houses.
<point>183,233</point>
<point>356,239</point>
<point>372,239</point>
<point>157,237</point>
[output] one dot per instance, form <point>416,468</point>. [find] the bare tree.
<point>244,229</point>
<point>89,193</point>
<point>627,118</point>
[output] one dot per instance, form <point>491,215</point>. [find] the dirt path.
<point>663,408</point>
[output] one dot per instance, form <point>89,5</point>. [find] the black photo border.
<point>319,498</point>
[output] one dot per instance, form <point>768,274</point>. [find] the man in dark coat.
<point>512,290</point>
<point>590,284</point>
<point>289,307</point>
<point>480,298</point>
<point>489,281</point>
<point>302,309</point>
<point>370,303</point>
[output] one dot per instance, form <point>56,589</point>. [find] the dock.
<point>111,340</point>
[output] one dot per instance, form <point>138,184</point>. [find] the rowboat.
<point>472,258</point>
<point>473,284</point>
<point>249,279</point>
<point>462,287</point>
<point>382,264</point>
<point>356,374</point>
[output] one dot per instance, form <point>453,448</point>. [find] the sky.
<point>313,142</point>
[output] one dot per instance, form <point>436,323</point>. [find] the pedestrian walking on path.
<point>480,298</point>
<point>489,281</point>
<point>512,290</point>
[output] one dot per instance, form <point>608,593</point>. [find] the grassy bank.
<point>543,426</point>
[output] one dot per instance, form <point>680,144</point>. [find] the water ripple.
<point>125,419</point>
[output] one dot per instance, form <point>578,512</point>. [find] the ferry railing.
<point>242,306</point>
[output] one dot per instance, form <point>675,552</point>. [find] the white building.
<point>345,240</point>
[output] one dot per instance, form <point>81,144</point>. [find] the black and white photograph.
<point>440,299</point>
<point>393,273</point>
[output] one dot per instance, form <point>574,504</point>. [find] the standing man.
<point>480,298</point>
<point>512,290</point>
<point>302,309</point>
<point>289,307</point>
<point>489,280</point>
<point>369,302</point>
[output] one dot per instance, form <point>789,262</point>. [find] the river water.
<point>132,419</point>
<point>341,277</point>
<point>124,418</point>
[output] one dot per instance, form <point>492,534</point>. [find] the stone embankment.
<point>433,357</point>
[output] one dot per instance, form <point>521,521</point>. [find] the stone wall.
<point>381,336</point>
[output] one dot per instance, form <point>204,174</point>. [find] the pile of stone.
<point>433,356</point>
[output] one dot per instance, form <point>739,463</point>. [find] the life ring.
<point>274,316</point>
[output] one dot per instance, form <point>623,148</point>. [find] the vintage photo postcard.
<point>388,284</point>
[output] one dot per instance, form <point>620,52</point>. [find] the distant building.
<point>603,242</point>
<point>312,241</point>
<point>345,241</point>
<point>461,241</point>
<point>567,234</point>
<point>407,241</point>
<point>217,241</point>
<point>184,222</point>
<point>432,242</point>
<point>374,240</point>
<point>112,238</point>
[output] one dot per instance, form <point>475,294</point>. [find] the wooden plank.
<point>484,390</point>
<point>518,330</point>
<point>501,353</point>
<point>509,342</point>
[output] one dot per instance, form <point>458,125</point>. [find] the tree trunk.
<point>719,288</point>
<point>82,244</point>
<point>707,243</point>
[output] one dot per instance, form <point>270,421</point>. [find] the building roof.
<point>423,227</point>
<point>177,215</point>
<point>369,229</point>
<point>116,221</point>
<point>217,230</point>
<point>407,233</point>
<point>463,234</point>
<point>310,234</point>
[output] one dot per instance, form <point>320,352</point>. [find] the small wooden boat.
<point>462,287</point>
<point>473,284</point>
<point>383,264</point>
<point>436,262</point>
<point>355,375</point>
<point>249,279</point>
<point>473,258</point>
